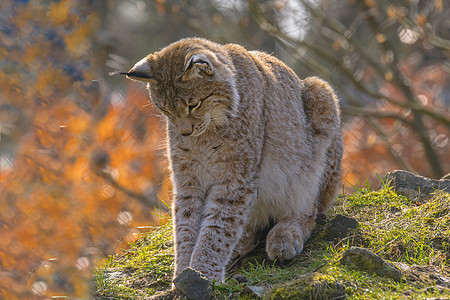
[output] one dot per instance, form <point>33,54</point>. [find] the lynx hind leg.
<point>247,242</point>
<point>331,178</point>
<point>322,110</point>
<point>286,238</point>
<point>321,106</point>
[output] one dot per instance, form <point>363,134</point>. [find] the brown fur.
<point>250,145</point>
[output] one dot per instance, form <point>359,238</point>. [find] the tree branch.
<point>146,201</point>
<point>384,136</point>
<point>360,111</point>
<point>381,132</point>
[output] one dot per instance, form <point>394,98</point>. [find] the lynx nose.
<point>186,130</point>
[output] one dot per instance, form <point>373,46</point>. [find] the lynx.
<point>251,147</point>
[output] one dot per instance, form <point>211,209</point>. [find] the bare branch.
<point>342,32</point>
<point>370,118</point>
<point>387,141</point>
<point>146,201</point>
<point>361,111</point>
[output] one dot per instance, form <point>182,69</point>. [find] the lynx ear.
<point>197,66</point>
<point>142,71</point>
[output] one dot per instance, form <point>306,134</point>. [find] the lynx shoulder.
<point>251,146</point>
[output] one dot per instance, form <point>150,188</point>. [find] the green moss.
<point>390,225</point>
<point>398,229</point>
<point>366,197</point>
<point>143,269</point>
<point>311,286</point>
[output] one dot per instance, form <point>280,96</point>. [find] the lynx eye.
<point>191,107</point>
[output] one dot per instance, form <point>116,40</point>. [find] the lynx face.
<point>195,90</point>
<point>196,113</point>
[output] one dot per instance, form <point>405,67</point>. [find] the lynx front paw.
<point>284,242</point>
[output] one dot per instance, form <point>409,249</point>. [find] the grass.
<point>414,236</point>
<point>126,276</point>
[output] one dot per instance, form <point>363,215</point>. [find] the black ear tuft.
<point>138,75</point>
<point>141,71</point>
<point>114,73</point>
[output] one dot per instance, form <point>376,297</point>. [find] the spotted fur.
<point>250,145</point>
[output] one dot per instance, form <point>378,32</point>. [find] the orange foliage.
<point>58,216</point>
<point>56,206</point>
<point>366,155</point>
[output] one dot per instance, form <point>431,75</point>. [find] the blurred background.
<point>82,155</point>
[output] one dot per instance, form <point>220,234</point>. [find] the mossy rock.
<point>366,260</point>
<point>310,286</point>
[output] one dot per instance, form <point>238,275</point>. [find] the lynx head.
<point>192,82</point>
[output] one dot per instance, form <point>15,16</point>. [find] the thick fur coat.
<point>251,146</point>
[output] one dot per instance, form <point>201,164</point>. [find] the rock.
<point>193,284</point>
<point>365,260</point>
<point>441,280</point>
<point>253,291</point>
<point>240,278</point>
<point>310,286</point>
<point>341,226</point>
<point>423,273</point>
<point>321,219</point>
<point>414,187</point>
